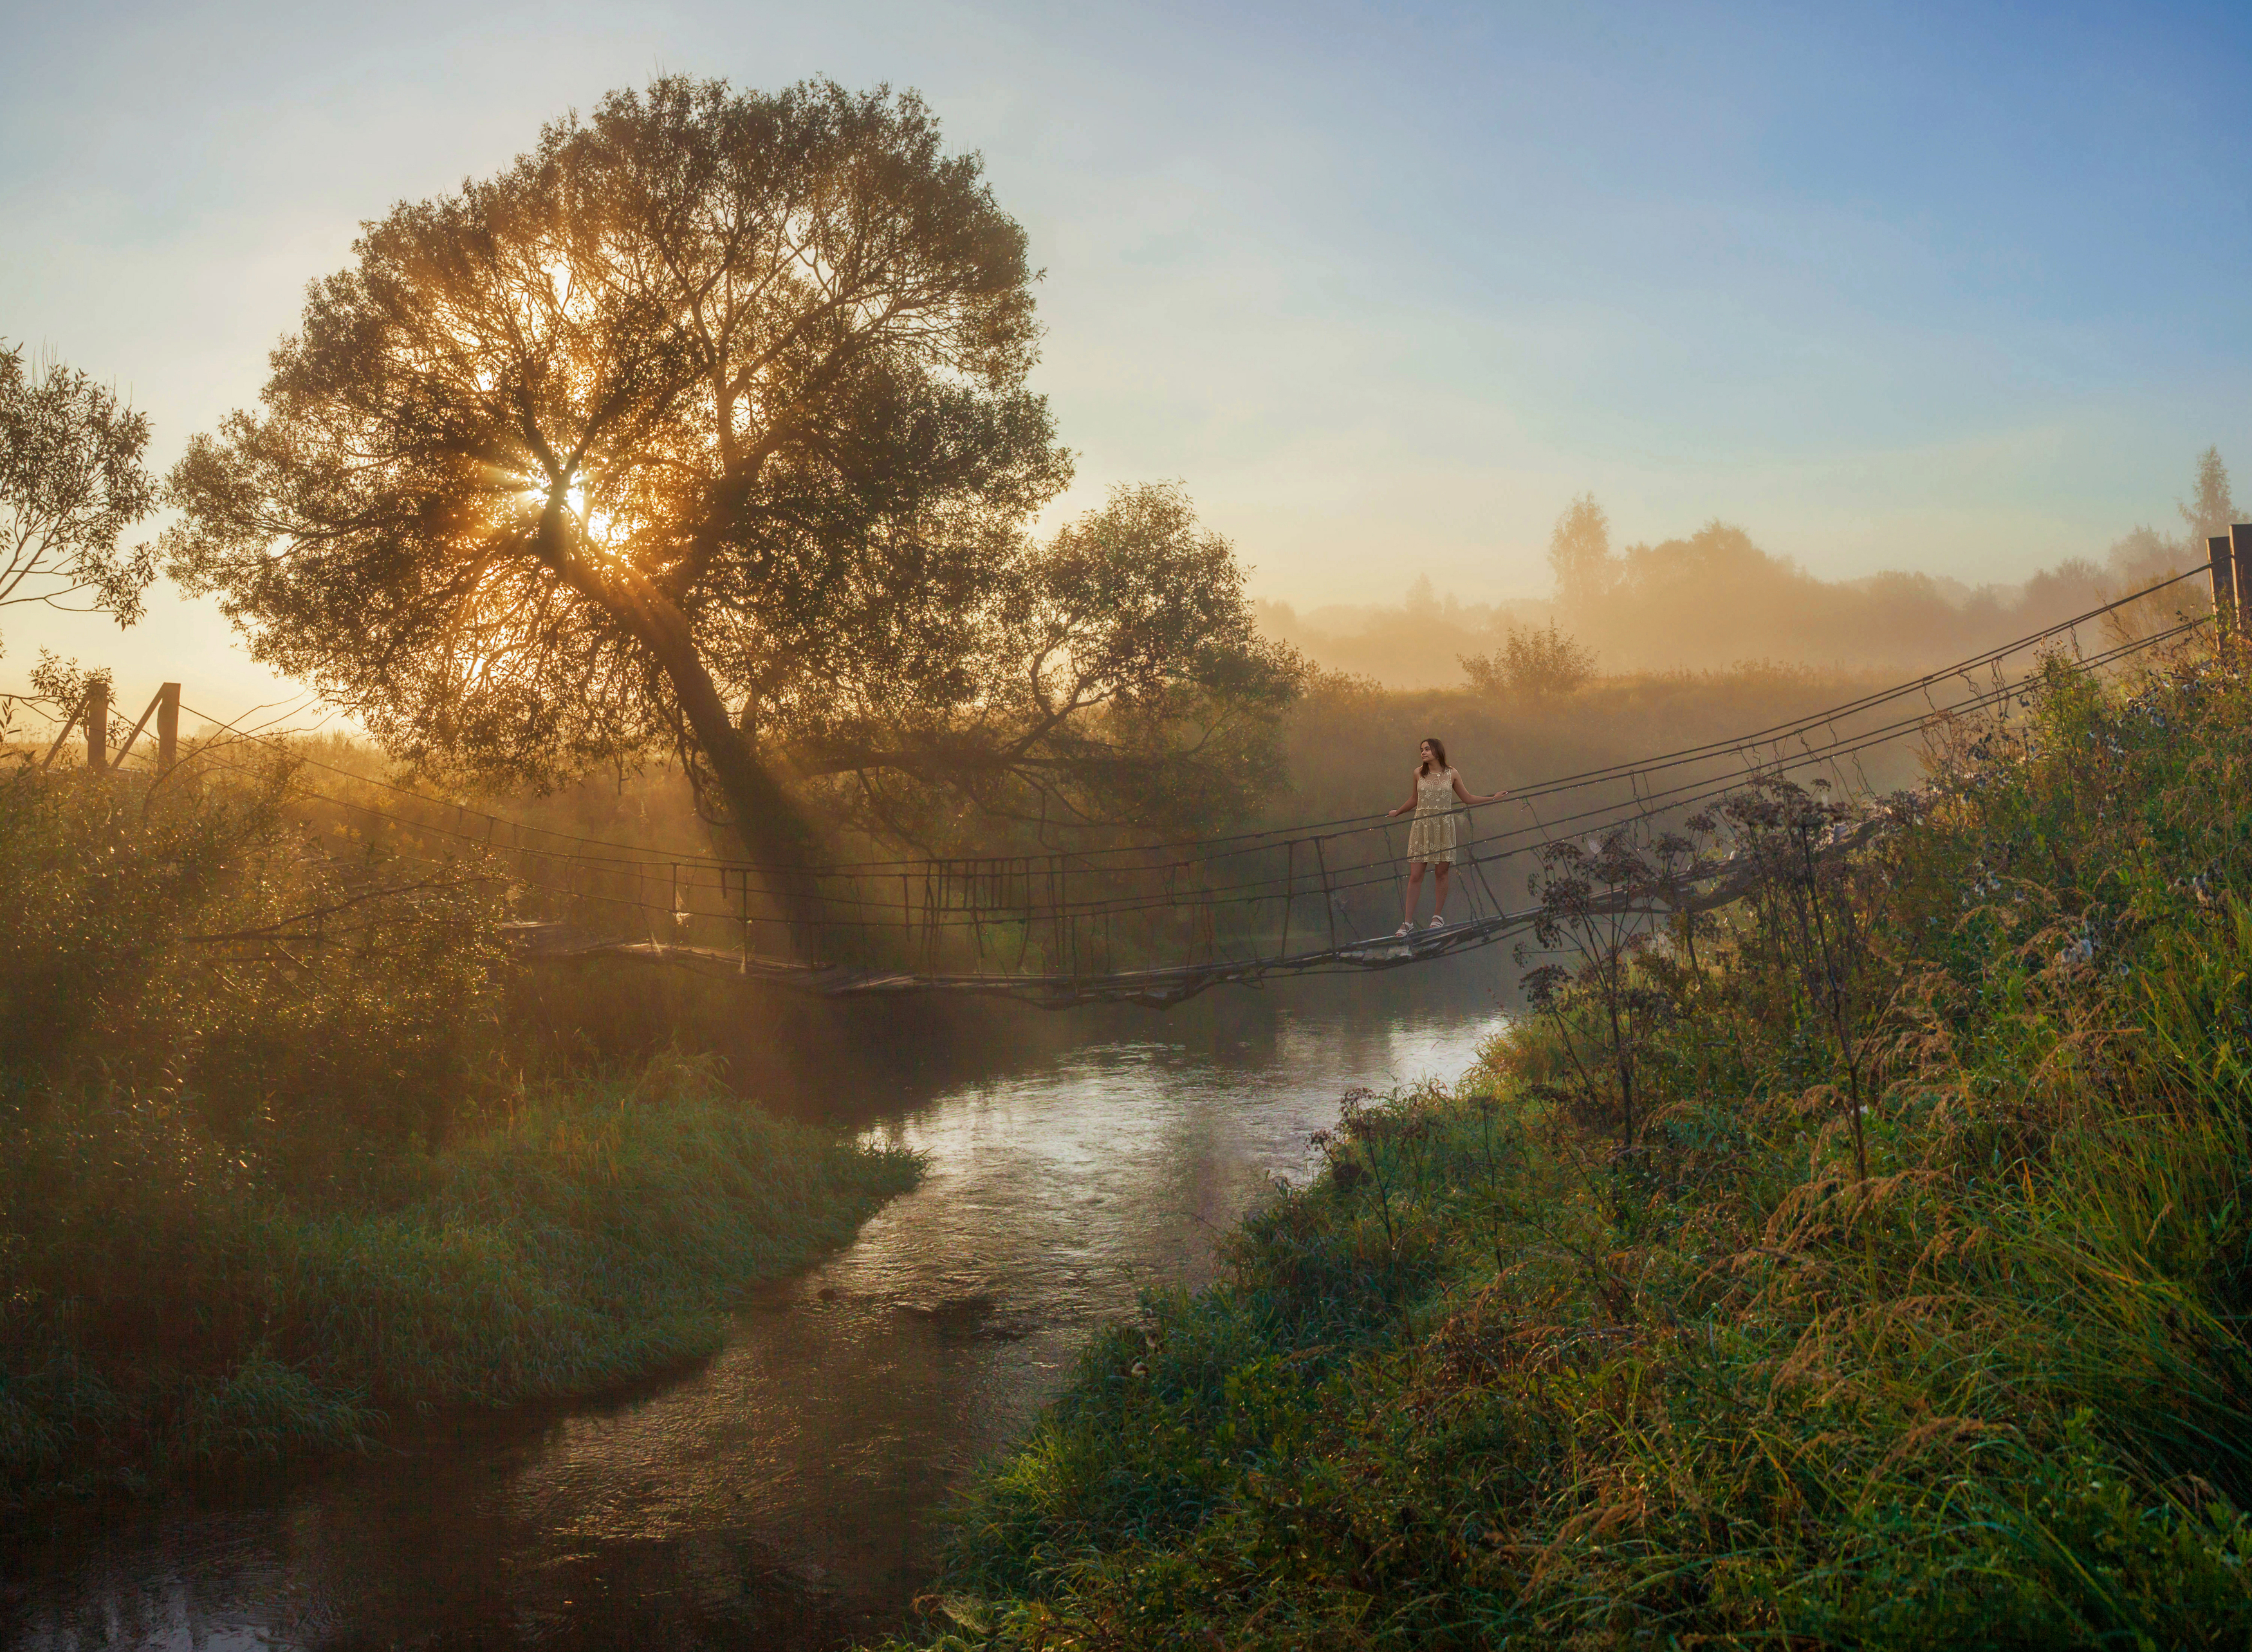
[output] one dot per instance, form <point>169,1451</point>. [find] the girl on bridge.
<point>1432,792</point>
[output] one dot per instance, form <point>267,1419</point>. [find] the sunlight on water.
<point>781,1492</point>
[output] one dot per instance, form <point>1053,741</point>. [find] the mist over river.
<point>782,1492</point>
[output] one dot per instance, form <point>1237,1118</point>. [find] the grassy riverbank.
<point>1645,1333</point>
<point>602,1232</point>
<point>270,1171</point>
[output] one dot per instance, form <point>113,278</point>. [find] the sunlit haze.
<point>1127,825</point>
<point>1939,288</point>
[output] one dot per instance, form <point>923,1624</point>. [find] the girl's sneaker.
<point>1404,929</point>
<point>1438,920</point>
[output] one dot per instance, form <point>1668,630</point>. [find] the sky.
<point>1959,288</point>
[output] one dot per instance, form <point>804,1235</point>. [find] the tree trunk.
<point>771,833</point>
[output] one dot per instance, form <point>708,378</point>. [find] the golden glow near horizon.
<point>1384,295</point>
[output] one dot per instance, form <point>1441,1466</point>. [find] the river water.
<point>782,1492</point>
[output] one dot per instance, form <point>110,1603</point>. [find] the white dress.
<point>1431,833</point>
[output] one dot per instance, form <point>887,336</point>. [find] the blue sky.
<point>1959,288</point>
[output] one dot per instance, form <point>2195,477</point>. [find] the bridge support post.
<point>168,727</point>
<point>97,725</point>
<point>1329,892</point>
<point>2221,559</point>
<point>1289,891</point>
<point>2240,536</point>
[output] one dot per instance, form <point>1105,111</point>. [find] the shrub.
<point>1531,663</point>
<point>195,941</point>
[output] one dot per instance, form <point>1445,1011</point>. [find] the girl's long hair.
<point>1438,750</point>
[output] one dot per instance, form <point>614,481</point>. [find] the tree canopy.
<point>1117,674</point>
<point>2212,511</point>
<point>71,482</point>
<point>1580,551</point>
<point>704,427</point>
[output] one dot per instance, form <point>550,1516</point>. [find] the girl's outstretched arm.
<point>1466,798</point>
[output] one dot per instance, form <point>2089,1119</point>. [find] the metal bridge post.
<point>743,916</point>
<point>2219,556</point>
<point>1289,889</point>
<point>1329,894</point>
<point>1058,892</point>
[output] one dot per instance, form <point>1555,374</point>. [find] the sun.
<point>598,527</point>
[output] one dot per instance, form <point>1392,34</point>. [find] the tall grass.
<point>1499,1378</point>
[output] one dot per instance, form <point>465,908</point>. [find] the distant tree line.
<point>1714,598</point>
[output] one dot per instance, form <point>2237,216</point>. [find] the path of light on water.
<point>782,1491</point>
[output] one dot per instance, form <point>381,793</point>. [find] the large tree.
<point>703,426</point>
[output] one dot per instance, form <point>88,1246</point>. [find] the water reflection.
<point>781,1493</point>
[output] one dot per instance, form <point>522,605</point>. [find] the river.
<point>782,1493</point>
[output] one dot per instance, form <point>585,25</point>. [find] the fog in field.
<point>1712,599</point>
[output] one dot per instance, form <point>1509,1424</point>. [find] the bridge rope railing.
<point>1060,926</point>
<point>992,872</point>
<point>994,876</point>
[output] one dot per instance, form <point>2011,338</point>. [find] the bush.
<point>266,1172</point>
<point>194,942</point>
<point>1531,663</point>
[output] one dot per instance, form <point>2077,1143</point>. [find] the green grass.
<point>257,1196</point>
<point>1500,1378</point>
<point>603,1232</point>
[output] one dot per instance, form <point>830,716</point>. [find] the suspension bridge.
<point>1158,923</point>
